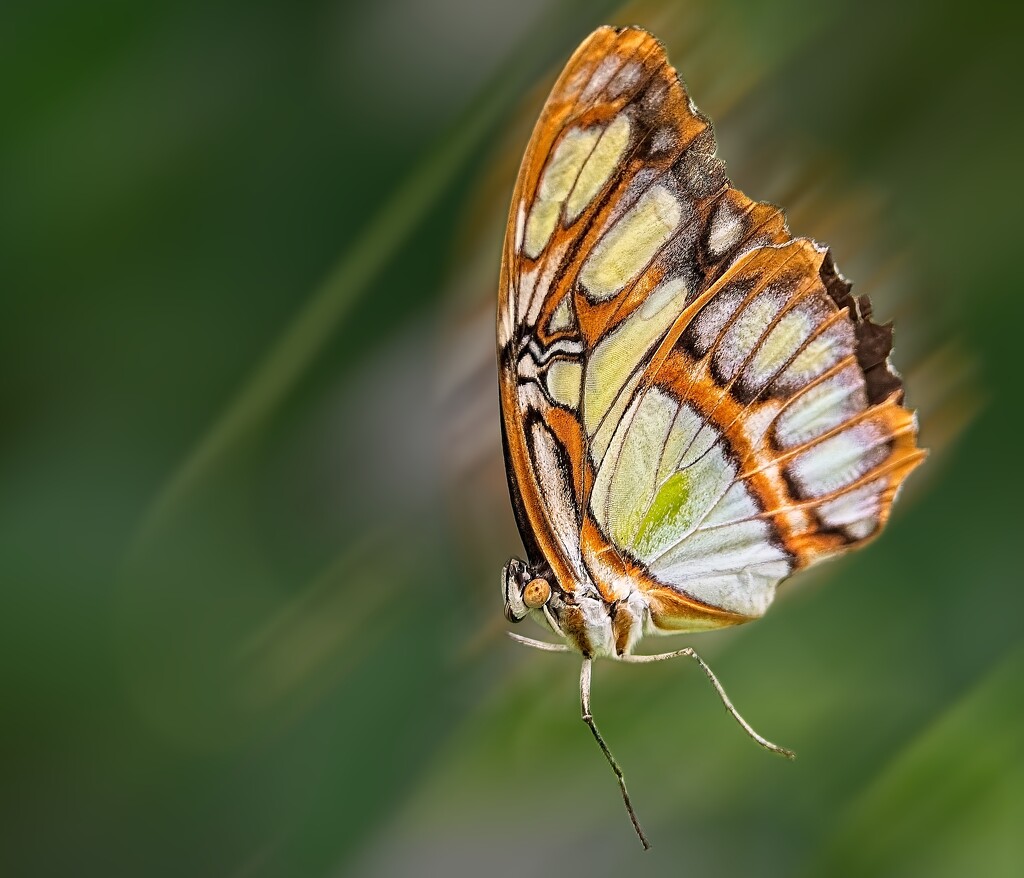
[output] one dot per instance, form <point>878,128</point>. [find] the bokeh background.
<point>252,506</point>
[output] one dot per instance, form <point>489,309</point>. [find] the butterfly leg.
<point>589,720</point>
<point>540,644</point>
<point>689,653</point>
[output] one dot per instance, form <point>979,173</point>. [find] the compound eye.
<point>536,593</point>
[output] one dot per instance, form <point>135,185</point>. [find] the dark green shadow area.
<point>251,623</point>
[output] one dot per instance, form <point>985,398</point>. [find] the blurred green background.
<point>252,507</point>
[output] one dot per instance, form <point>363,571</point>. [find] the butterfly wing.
<point>766,433</point>
<point>581,157</point>
<point>693,404</point>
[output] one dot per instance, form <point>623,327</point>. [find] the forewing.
<point>616,121</point>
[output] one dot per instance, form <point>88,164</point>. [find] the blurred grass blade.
<point>953,799</point>
<point>320,318</point>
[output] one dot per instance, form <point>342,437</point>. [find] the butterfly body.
<point>583,618</point>
<point>694,407</point>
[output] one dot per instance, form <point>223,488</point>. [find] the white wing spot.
<point>855,508</point>
<point>663,140</point>
<point>838,461</point>
<point>726,229</point>
<point>820,354</point>
<point>540,292</point>
<point>654,97</point>
<point>554,486</point>
<point>821,407</point>
<point>625,79</point>
<point>713,317</point>
<point>505,324</point>
<point>605,70</point>
<point>792,330</point>
<point>746,331</point>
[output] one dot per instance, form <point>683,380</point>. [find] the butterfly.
<point>694,406</point>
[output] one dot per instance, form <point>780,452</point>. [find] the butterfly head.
<point>523,591</point>
<point>579,615</point>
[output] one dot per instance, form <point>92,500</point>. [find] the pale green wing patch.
<point>625,487</point>
<point>612,367</point>
<point>666,495</point>
<point>670,512</point>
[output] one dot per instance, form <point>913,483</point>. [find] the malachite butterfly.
<point>694,407</point>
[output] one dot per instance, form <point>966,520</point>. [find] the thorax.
<point>597,627</point>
